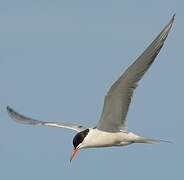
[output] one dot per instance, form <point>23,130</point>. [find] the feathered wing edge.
<point>118,98</point>
<point>26,120</point>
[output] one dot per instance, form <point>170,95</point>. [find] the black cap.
<point>79,137</point>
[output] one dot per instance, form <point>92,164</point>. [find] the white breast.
<point>97,138</point>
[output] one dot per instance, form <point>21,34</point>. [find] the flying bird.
<point>111,129</point>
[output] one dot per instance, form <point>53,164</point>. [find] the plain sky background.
<point>57,61</point>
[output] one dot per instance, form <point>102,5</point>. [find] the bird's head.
<point>78,142</point>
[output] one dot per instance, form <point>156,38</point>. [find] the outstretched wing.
<point>119,96</point>
<point>25,120</point>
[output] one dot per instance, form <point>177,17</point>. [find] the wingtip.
<point>167,28</point>
<point>9,109</point>
<point>173,17</point>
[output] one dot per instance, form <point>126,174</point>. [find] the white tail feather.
<point>152,141</point>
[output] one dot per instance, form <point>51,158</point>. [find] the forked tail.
<point>152,141</point>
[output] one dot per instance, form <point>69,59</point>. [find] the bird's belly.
<point>98,145</point>
<point>107,139</point>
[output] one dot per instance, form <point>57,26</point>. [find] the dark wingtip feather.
<point>173,17</point>
<point>10,110</point>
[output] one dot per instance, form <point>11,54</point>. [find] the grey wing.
<point>118,98</point>
<point>25,120</point>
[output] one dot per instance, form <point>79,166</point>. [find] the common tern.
<point>111,129</point>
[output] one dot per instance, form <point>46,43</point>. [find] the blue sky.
<point>57,61</point>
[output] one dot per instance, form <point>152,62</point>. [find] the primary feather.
<point>118,98</point>
<point>25,120</point>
